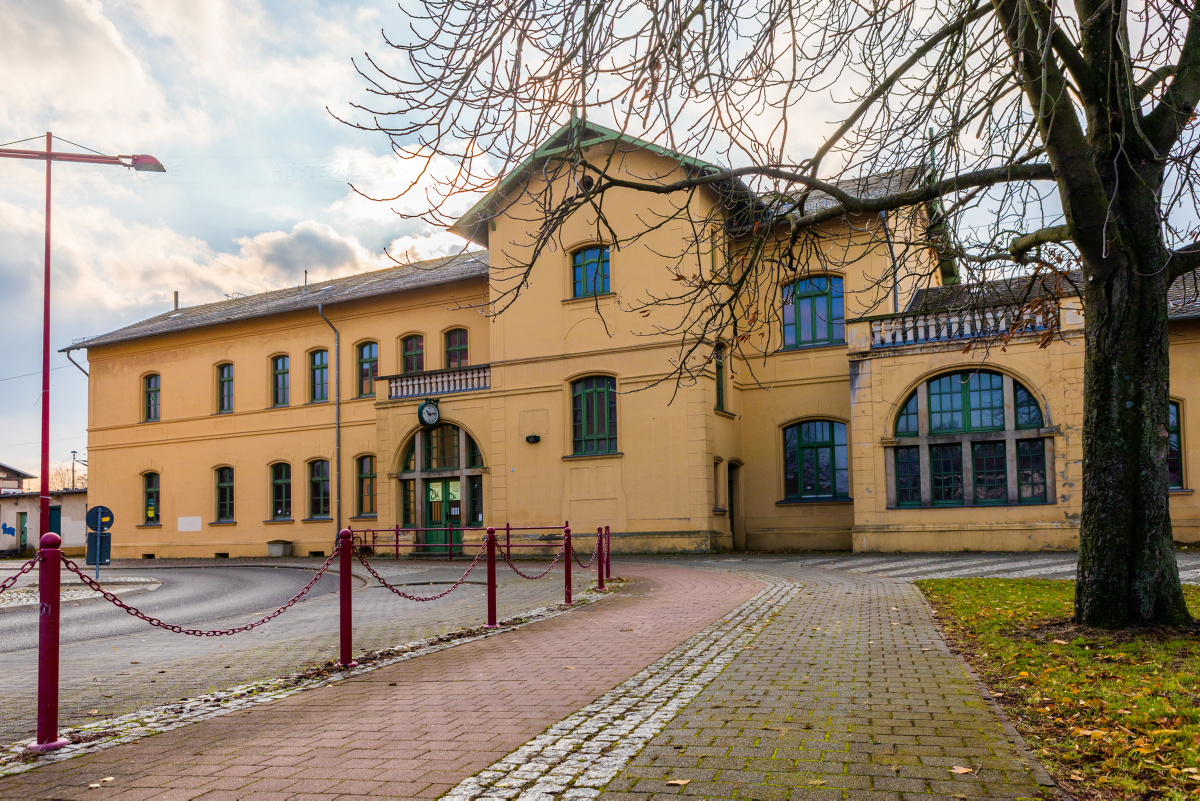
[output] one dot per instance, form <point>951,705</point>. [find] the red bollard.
<point>607,554</point>
<point>48,590</point>
<point>600,558</point>
<point>567,572</point>
<point>346,550</point>
<point>491,578</point>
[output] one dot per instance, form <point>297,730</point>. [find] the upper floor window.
<point>152,400</point>
<point>815,461</point>
<point>413,349</point>
<point>719,365</point>
<point>368,368</point>
<point>589,272</point>
<point>318,488</point>
<point>456,349</point>
<point>594,415</point>
<point>318,376</point>
<point>366,485</point>
<point>280,381</point>
<point>1174,447</point>
<point>224,388</point>
<point>281,491</point>
<point>813,312</point>
<point>224,494</point>
<point>150,498</point>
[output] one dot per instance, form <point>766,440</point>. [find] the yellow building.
<point>213,429</point>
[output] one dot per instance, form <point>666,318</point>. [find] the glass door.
<point>443,515</point>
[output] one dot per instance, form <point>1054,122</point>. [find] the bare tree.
<point>1014,136</point>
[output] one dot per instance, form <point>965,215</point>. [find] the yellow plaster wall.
<point>1185,390</point>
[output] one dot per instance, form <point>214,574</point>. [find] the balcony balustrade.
<point>996,321</point>
<point>439,382</point>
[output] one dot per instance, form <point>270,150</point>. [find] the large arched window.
<point>594,415</point>
<point>970,438</point>
<point>815,463</point>
<point>437,466</point>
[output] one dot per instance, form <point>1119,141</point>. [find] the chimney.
<point>176,300</point>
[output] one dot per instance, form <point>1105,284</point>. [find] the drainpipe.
<point>337,415</point>
<point>77,364</point>
<point>895,267</point>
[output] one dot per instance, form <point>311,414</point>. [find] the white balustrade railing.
<point>913,329</point>
<point>439,382</point>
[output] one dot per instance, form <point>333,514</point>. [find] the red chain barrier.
<point>553,562</point>
<point>25,568</point>
<point>403,594</point>
<point>589,562</point>
<point>153,621</point>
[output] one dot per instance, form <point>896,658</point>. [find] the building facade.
<point>19,514</point>
<point>213,429</point>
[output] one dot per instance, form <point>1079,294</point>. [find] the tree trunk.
<point>1127,573</point>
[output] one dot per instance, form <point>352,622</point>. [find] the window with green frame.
<point>813,312</point>
<point>409,463</point>
<point>281,491</point>
<point>475,500</point>
<point>474,456</point>
<point>413,351</point>
<point>456,349</point>
<point>225,495</point>
<point>150,497</point>
<point>966,402</point>
<point>152,402</point>
<point>408,502</point>
<point>441,448</point>
<point>719,365</point>
<point>908,476</point>
<point>1031,470</point>
<point>906,423</point>
<point>366,485</point>
<point>589,272</point>
<point>224,388</point>
<point>1029,414</point>
<point>318,376</point>
<point>1174,447</point>
<point>368,368</point>
<point>815,463</point>
<point>946,474</point>
<point>594,415</point>
<point>318,489</point>
<point>280,381</point>
<point>990,466</point>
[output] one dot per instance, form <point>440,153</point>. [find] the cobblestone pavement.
<point>117,675</point>
<point>417,728</point>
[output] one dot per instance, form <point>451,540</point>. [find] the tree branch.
<point>1152,80</point>
<point>1166,122</point>
<point>1184,260</point>
<point>1023,244</point>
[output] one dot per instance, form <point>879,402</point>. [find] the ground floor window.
<point>224,494</point>
<point>946,478</point>
<point>991,472</point>
<point>318,488</point>
<point>1000,472</point>
<point>815,464</point>
<point>366,485</point>
<point>1174,447</point>
<point>1031,470</point>
<point>281,491</point>
<point>908,476</point>
<point>150,487</point>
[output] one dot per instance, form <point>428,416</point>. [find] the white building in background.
<point>19,513</point>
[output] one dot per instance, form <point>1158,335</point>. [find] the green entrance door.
<point>443,514</point>
<point>22,530</point>
<point>56,520</point>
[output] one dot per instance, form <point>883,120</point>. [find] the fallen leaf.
<point>94,786</point>
<point>626,629</point>
<point>570,668</point>
<point>94,712</point>
<point>1075,777</point>
<point>959,769</point>
<point>1059,642</point>
<point>135,663</point>
<point>109,779</point>
<point>679,782</point>
<point>816,782</point>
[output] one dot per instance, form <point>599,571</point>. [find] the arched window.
<point>970,439</point>
<point>368,368</point>
<point>281,491</point>
<point>225,495</point>
<point>1174,447</point>
<point>280,381</point>
<point>318,376</point>
<point>433,478</point>
<point>813,312</point>
<point>152,398</point>
<point>815,462</point>
<point>150,498</point>
<point>589,272</point>
<point>594,415</point>
<point>413,349</point>
<point>456,349</point>
<point>224,388</point>
<point>366,486</point>
<point>318,489</point>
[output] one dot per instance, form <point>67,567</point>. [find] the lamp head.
<point>145,163</point>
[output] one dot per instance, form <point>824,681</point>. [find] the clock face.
<point>428,413</point>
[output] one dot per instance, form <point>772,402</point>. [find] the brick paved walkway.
<point>415,729</point>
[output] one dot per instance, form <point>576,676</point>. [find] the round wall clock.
<point>428,413</point>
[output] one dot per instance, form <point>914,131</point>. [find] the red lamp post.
<point>140,163</point>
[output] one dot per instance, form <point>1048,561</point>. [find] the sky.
<point>232,97</point>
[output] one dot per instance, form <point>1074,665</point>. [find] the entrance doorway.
<point>443,515</point>
<point>56,520</point>
<point>731,504</point>
<point>22,530</point>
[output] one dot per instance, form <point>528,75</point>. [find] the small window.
<point>281,491</point>
<point>318,376</point>
<point>366,485</point>
<point>906,423</point>
<point>946,474</point>
<point>990,466</point>
<point>1031,470</point>
<point>153,397</point>
<point>456,349</point>
<point>1174,447</point>
<point>1029,414</point>
<point>224,388</point>
<point>280,381</point>
<point>474,457</point>
<point>368,368</point>
<point>590,272</point>
<point>719,365</point>
<point>908,476</point>
<point>409,463</point>
<point>408,502</point>
<point>441,448</point>
<point>318,489</point>
<point>475,500</point>
<point>594,415</point>
<point>816,465</point>
<point>150,489</point>
<point>224,494</point>
<point>813,312</point>
<point>414,354</point>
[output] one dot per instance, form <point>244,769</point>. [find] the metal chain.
<point>25,568</point>
<point>403,594</point>
<point>589,562</point>
<point>557,556</point>
<point>153,621</point>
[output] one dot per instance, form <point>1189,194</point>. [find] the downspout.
<point>337,415</point>
<point>895,267</point>
<point>72,361</point>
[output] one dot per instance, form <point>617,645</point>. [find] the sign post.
<point>99,521</point>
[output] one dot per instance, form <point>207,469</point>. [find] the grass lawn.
<point>1110,715</point>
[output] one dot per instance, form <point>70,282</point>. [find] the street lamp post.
<point>48,729</point>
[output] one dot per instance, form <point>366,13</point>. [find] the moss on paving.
<point>1110,714</point>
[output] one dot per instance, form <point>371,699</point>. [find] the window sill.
<point>279,406</point>
<point>317,520</point>
<point>227,411</point>
<point>316,402</point>
<point>813,346</point>
<point>719,512</point>
<point>609,455</point>
<point>149,525</point>
<point>365,517</point>
<point>155,420</point>
<point>811,501</point>
<point>279,520</point>
<point>590,298</point>
<point>725,414</point>
<point>223,523</point>
<point>1180,491</point>
<point>1009,505</point>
